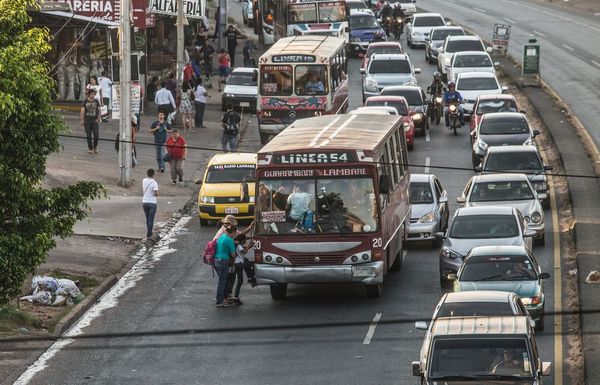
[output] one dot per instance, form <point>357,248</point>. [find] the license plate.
<point>231,210</point>
<point>244,104</point>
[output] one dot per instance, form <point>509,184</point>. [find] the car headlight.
<point>541,185</point>
<point>418,116</point>
<point>208,200</point>
<point>251,199</point>
<point>532,300</point>
<point>536,217</point>
<point>427,218</point>
<point>482,145</point>
<point>371,84</point>
<point>355,39</point>
<point>448,253</point>
<point>229,95</point>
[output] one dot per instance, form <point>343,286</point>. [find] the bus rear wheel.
<point>278,290</point>
<point>374,291</point>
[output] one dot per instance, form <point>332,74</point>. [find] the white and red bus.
<point>332,202</point>
<point>300,77</point>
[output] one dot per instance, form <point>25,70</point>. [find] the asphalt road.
<point>174,294</point>
<point>570,52</point>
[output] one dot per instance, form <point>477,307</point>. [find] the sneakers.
<point>237,301</point>
<point>162,170</point>
<point>174,181</point>
<point>224,304</point>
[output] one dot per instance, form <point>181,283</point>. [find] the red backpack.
<point>209,252</point>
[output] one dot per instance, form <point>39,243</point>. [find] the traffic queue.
<point>335,200</point>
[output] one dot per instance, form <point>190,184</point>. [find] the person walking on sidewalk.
<point>164,100</point>
<point>208,52</point>
<point>232,35</point>
<point>247,52</point>
<point>224,66</point>
<point>177,148</point>
<point>90,120</point>
<point>160,128</point>
<point>150,192</point>
<point>225,253</point>
<point>185,107</point>
<point>230,122</point>
<point>200,95</point>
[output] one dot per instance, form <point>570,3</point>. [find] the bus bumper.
<point>366,273</point>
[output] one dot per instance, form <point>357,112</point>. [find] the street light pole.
<point>180,42</point>
<point>126,176</point>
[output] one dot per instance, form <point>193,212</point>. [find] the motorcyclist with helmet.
<point>437,87</point>
<point>452,95</point>
<point>386,11</point>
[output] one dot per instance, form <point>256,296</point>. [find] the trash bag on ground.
<point>51,291</point>
<point>41,296</point>
<point>68,288</point>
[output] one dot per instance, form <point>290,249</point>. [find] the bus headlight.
<point>266,114</point>
<point>208,200</point>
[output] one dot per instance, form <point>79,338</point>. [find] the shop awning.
<point>69,15</point>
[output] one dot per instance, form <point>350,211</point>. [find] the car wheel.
<point>541,241</point>
<point>397,265</point>
<point>278,290</point>
<point>445,284</point>
<point>374,291</point>
<point>474,161</point>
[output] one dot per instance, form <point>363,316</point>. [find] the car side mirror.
<point>385,183</point>
<point>417,70</point>
<point>440,235</point>
<point>478,168</point>
<point>536,133</point>
<point>421,325</point>
<point>548,168</point>
<point>524,112</point>
<point>544,275</point>
<point>416,368</point>
<point>489,50</point>
<point>460,200</point>
<point>427,39</point>
<point>363,71</point>
<point>504,89</point>
<point>546,368</point>
<point>529,234</point>
<point>452,277</point>
<point>443,199</point>
<point>496,64</point>
<point>198,182</point>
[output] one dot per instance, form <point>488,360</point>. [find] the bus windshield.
<point>311,80</point>
<point>324,205</point>
<point>332,11</point>
<point>276,80</point>
<point>302,13</point>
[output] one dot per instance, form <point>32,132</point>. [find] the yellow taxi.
<point>227,187</point>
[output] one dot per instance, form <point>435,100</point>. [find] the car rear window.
<point>428,21</point>
<point>413,97</point>
<point>389,49</point>
<point>467,309</point>
<point>484,227</point>
<point>477,84</point>
<point>399,106</point>
<point>441,34</point>
<point>503,127</point>
<point>472,61</point>
<point>464,45</point>
<point>512,161</point>
<point>501,105</point>
<point>389,67</point>
<point>498,268</point>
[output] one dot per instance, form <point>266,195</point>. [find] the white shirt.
<point>164,96</point>
<point>199,94</point>
<point>105,84</point>
<point>239,256</point>
<point>149,186</point>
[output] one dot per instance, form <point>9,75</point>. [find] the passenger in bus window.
<point>297,202</point>
<point>280,197</point>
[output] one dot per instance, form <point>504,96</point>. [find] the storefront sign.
<point>500,38</point>
<point>272,216</point>
<point>193,9</point>
<point>98,50</point>
<point>109,10</point>
<point>323,157</point>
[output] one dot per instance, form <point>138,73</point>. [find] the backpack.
<point>209,252</point>
<point>308,221</point>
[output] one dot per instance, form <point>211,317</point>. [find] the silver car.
<point>480,226</point>
<point>513,190</point>
<point>436,39</point>
<point>387,70</point>
<point>429,208</point>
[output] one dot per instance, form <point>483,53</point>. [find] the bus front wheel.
<point>374,291</point>
<point>278,290</point>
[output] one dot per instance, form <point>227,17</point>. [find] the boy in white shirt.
<point>150,192</point>
<point>241,263</point>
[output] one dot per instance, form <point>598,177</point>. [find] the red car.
<point>485,104</point>
<point>401,105</point>
<point>387,47</point>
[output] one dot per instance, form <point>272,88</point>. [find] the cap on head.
<point>230,219</point>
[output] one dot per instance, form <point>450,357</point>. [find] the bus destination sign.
<point>293,58</point>
<point>315,157</point>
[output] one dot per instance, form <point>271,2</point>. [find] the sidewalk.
<point>585,200</point>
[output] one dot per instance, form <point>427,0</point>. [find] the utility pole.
<point>125,95</point>
<point>222,23</point>
<point>180,42</point>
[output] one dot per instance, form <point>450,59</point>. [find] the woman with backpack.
<point>225,253</point>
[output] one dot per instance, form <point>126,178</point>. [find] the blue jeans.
<point>149,212</point>
<point>222,268</point>
<point>232,140</point>
<point>160,152</point>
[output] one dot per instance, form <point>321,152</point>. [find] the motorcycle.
<point>436,108</point>
<point>454,115</point>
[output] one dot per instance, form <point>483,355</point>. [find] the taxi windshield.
<point>230,173</point>
<point>323,205</point>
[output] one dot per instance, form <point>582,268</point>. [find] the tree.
<point>31,216</point>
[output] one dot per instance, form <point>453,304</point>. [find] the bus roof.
<point>305,45</point>
<point>328,132</point>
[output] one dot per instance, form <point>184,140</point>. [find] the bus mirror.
<point>385,183</point>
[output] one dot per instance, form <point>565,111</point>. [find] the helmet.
<point>437,75</point>
<point>451,84</point>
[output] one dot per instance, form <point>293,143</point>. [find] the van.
<point>227,187</point>
<point>481,348</point>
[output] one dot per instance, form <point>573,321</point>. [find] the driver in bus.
<point>314,83</point>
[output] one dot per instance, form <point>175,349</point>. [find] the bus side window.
<point>390,170</point>
<point>399,164</point>
<point>403,156</point>
<point>381,170</point>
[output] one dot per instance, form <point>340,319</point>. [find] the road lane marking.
<point>404,253</point>
<point>427,162</point>
<point>558,322</point>
<point>480,10</point>
<point>371,330</point>
<point>596,63</point>
<point>569,48</point>
<point>510,20</point>
<point>538,33</point>
<point>427,137</point>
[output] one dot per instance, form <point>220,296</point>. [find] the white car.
<point>378,110</point>
<point>458,44</point>
<point>472,84</point>
<point>420,25</point>
<point>470,61</point>
<point>248,13</point>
